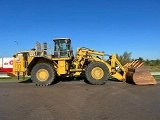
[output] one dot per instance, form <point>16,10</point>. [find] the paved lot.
<point>77,100</point>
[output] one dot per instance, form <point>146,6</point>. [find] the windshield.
<point>63,45</point>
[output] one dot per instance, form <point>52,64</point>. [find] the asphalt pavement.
<point>76,100</point>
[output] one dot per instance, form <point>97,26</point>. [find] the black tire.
<point>92,70</point>
<point>43,74</point>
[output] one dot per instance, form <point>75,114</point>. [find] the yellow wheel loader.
<point>44,68</point>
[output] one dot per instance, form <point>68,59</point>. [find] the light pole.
<point>17,45</point>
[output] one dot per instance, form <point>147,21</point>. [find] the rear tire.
<point>97,73</point>
<point>43,74</point>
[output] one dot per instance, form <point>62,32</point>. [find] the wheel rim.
<point>42,75</point>
<point>97,73</point>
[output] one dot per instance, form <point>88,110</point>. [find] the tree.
<point>157,62</point>
<point>140,59</point>
<point>152,62</point>
<point>147,62</point>
<point>125,58</point>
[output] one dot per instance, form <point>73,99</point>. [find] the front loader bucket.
<point>139,75</point>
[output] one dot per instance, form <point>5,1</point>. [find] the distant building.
<point>6,64</point>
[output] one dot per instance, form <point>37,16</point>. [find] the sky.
<point>112,26</point>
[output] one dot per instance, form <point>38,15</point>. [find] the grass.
<point>157,77</point>
<point>154,68</point>
<point>12,79</point>
<point>8,79</point>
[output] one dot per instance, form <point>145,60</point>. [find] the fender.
<point>37,60</point>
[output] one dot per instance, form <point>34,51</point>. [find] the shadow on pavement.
<point>26,81</point>
<point>59,79</point>
<point>69,79</point>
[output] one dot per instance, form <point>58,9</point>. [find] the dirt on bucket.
<point>141,76</point>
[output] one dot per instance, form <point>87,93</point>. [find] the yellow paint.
<point>69,67</point>
<point>61,67</point>
<point>42,75</point>
<point>97,73</point>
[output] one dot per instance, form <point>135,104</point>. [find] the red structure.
<point>6,64</point>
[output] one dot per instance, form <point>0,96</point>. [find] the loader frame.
<point>38,64</point>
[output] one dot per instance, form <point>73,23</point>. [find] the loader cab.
<point>62,48</point>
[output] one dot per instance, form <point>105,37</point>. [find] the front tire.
<point>97,73</point>
<point>43,74</point>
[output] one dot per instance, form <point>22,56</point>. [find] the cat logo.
<point>11,62</point>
